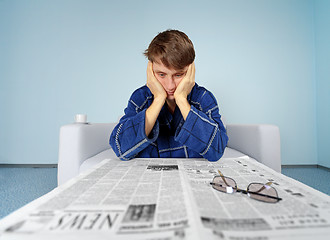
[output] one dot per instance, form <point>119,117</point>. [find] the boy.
<point>171,116</point>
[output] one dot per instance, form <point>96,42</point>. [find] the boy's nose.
<point>170,84</point>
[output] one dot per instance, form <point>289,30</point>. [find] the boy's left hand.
<point>186,84</point>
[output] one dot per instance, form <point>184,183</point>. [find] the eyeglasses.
<point>257,191</point>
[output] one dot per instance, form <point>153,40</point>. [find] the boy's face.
<point>169,78</point>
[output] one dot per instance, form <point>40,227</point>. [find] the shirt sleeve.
<point>203,130</point>
<point>128,138</point>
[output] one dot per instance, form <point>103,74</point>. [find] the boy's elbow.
<point>116,149</point>
<point>121,157</point>
<point>112,144</point>
<point>215,157</point>
<point>125,158</point>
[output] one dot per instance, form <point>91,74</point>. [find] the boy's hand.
<point>154,85</point>
<point>160,95</point>
<point>186,84</point>
<point>183,89</point>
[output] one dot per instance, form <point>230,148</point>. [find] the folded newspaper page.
<point>171,199</point>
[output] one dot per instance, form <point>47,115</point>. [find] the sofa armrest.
<point>79,142</point>
<point>261,142</point>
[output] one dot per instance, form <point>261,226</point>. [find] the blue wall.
<point>322,40</point>
<point>59,58</point>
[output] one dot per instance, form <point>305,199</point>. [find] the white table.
<point>171,199</point>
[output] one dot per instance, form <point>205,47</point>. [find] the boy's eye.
<point>178,75</point>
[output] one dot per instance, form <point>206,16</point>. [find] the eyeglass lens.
<point>262,192</point>
<point>224,184</point>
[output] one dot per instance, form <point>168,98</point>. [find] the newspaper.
<point>171,199</point>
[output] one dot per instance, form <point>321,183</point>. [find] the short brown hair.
<point>173,48</point>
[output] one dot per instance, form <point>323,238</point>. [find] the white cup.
<point>80,118</point>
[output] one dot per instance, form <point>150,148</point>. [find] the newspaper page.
<point>137,199</point>
<point>171,199</point>
<point>303,212</point>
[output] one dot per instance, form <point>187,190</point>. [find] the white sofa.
<point>81,146</point>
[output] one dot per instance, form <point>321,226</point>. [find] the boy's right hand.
<point>154,85</point>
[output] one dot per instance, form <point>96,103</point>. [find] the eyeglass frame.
<point>247,192</point>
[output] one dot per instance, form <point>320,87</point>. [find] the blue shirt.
<point>202,135</point>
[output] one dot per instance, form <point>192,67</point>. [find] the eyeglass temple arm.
<point>223,177</point>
